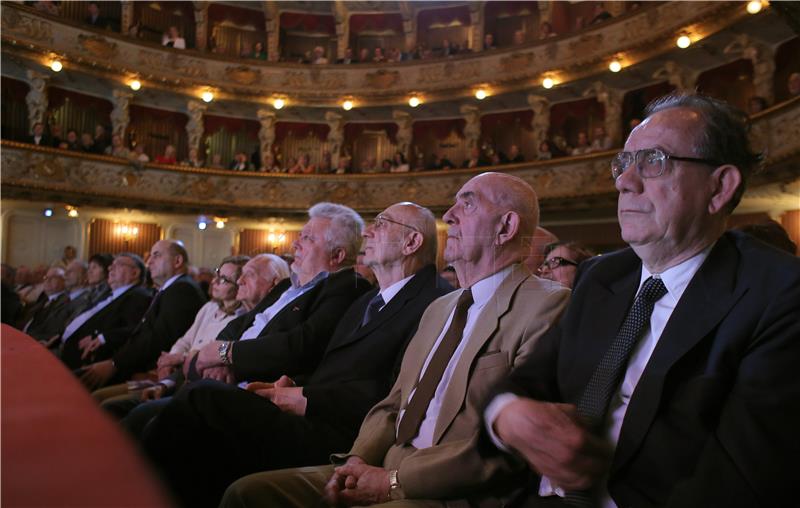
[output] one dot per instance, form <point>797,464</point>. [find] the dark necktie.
<point>416,409</point>
<point>372,309</point>
<point>593,404</point>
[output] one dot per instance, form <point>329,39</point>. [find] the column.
<point>335,135</point>
<point>681,78</point>
<point>119,115</point>
<point>341,16</point>
<point>541,118</point>
<point>194,127</point>
<point>405,132</point>
<point>611,100</point>
<point>266,134</point>
<point>476,26</point>
<point>127,16</point>
<point>201,25</point>
<point>272,26</point>
<point>36,98</point>
<point>762,57</point>
<point>472,130</point>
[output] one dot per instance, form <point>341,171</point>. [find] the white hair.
<point>277,267</point>
<point>345,230</point>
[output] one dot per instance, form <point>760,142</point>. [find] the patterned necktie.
<point>416,409</point>
<point>372,309</point>
<point>593,404</point>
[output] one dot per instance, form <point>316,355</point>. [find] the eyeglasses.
<point>381,220</point>
<point>555,262</point>
<point>649,162</point>
<point>221,278</point>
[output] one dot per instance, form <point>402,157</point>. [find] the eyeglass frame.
<point>665,156</point>
<point>382,218</point>
<point>560,262</point>
<point>223,278</point>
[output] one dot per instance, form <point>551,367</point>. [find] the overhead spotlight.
<point>347,105</point>
<point>278,103</point>
<point>202,224</point>
<point>135,85</point>
<point>414,101</point>
<point>754,7</point>
<point>548,83</point>
<point>56,66</point>
<point>480,94</point>
<point>220,224</point>
<point>683,41</point>
<point>615,66</point>
<point>72,211</point>
<point>48,212</point>
<point>207,96</point>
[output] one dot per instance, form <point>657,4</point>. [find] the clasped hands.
<point>555,442</point>
<point>356,483</point>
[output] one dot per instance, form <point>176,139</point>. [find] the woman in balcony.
<point>168,157</point>
<point>193,160</point>
<point>400,164</point>
<point>259,53</point>
<point>172,39</point>
<point>303,166</point>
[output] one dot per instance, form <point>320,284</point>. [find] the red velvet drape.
<point>218,13</point>
<point>376,23</point>
<point>494,121</point>
<point>503,8</point>
<point>308,22</point>
<point>444,16</point>
<point>440,129</point>
<point>299,130</point>
<point>353,130</point>
<point>213,124</point>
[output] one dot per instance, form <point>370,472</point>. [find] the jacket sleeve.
<point>118,331</point>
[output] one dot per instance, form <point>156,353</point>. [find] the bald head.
<point>511,193</point>
<point>262,273</point>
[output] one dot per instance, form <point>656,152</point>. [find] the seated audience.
<point>303,166</point>
<point>55,136</point>
<point>174,308</point>
<point>193,160</point>
<point>87,143</point>
<point>771,233</point>
<point>49,307</point>
<point>519,37</point>
<point>172,39</point>
<point>488,42</point>
<point>541,239</point>
<point>672,378</point>
<point>269,165</point>
<point>546,30</point>
<point>561,262</point>
<point>420,443</point>
<point>601,141</point>
<point>259,53</point>
<point>168,157</point>
<point>325,164</point>
<point>348,57</point>
<point>400,164</point>
<point>101,141</point>
<point>793,84</point>
<point>343,166</point>
<point>440,162</point>
<point>301,423</point>
<point>582,146</point>
<point>216,161</point>
<point>39,137</point>
<point>363,56</point>
<point>138,155</point>
<point>377,55</point>
<point>240,162</point>
<point>545,152</point>
<point>117,148</point>
<point>9,299</point>
<point>600,14</point>
<point>514,156</point>
<point>386,166</point>
<point>318,56</point>
<point>93,16</point>
<point>476,159</point>
<point>73,142</point>
<point>363,270</point>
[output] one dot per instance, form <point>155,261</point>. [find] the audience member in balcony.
<point>545,152</point>
<point>302,425</point>
<point>135,30</point>
<point>495,158</point>
<point>172,39</point>
<point>601,141</point>
<point>514,156</point>
<point>446,49</point>
<point>73,141</point>
<point>562,260</point>
<point>546,30</point>
<point>216,161</point>
<point>101,141</point>
<point>488,42</point>
<point>87,143</point>
<point>441,162</point>
<point>326,163</point>
<point>259,53</point>
<point>400,164</point>
<point>193,160</point>
<point>363,56</point>
<point>303,166</point>
<point>582,146</point>
<point>519,37</point>
<point>55,135</point>
<point>348,57</point>
<point>419,162</point>
<point>476,159</point>
<point>269,165</point>
<point>138,154</point>
<point>94,17</point>
<point>174,308</point>
<point>240,162</point>
<point>168,157</point>
<point>386,166</point>
<point>318,56</point>
<point>343,166</point>
<point>756,104</point>
<point>600,14</point>
<point>39,137</point>
<point>377,55</point>
<point>369,165</point>
<point>793,84</point>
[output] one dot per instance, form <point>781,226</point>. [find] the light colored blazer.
<point>523,309</point>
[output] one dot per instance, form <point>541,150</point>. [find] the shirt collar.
<point>677,278</point>
<point>170,281</point>
<point>313,282</point>
<point>484,289</point>
<point>116,292</point>
<point>75,293</point>
<point>55,295</point>
<point>390,292</point>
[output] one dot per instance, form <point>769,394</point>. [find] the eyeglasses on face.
<point>222,278</point>
<point>555,262</point>
<point>381,221</point>
<point>650,162</point>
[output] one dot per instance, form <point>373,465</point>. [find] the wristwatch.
<point>224,351</point>
<point>394,483</point>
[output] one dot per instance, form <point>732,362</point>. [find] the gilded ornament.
<point>517,62</point>
<point>586,45</point>
<point>98,46</point>
<point>243,75</point>
<point>47,168</point>
<point>295,80</point>
<point>204,189</point>
<point>382,79</point>
<point>15,23</point>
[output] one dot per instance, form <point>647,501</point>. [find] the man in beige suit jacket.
<point>497,319</point>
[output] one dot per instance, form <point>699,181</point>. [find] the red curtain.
<point>353,130</point>
<point>502,120</point>
<point>56,97</point>
<point>300,130</point>
<point>213,124</point>
<point>444,16</point>
<point>308,22</point>
<point>104,236</point>
<point>242,17</point>
<point>503,9</point>
<point>584,108</point>
<point>376,23</point>
<point>440,129</point>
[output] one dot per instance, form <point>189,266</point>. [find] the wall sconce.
<point>126,231</point>
<point>72,211</point>
<point>56,65</point>
<point>275,239</point>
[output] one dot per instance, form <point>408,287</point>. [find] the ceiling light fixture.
<point>278,103</point>
<point>683,41</point>
<point>414,101</point>
<point>72,211</point>
<point>754,7</point>
<point>56,66</point>
<point>615,66</point>
<point>135,85</point>
<point>48,212</point>
<point>207,96</point>
<point>347,105</point>
<point>480,94</point>
<point>548,83</point>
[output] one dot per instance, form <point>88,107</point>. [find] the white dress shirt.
<point>390,292</point>
<point>86,315</point>
<point>482,292</point>
<point>676,279</point>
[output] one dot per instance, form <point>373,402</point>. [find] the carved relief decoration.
<point>23,25</point>
<point>97,46</point>
<point>243,75</point>
<point>381,79</point>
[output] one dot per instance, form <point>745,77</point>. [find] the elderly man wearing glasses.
<point>672,378</point>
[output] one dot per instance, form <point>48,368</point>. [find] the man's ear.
<point>508,227</point>
<point>412,243</point>
<point>725,180</point>
<point>338,256</point>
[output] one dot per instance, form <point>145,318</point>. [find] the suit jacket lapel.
<point>484,328</point>
<point>706,301</point>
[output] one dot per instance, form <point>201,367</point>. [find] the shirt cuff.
<point>492,412</point>
<point>546,488</point>
<point>101,339</point>
<point>169,383</point>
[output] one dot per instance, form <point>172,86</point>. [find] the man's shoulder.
<point>345,280</point>
<point>760,263</point>
<point>183,286</point>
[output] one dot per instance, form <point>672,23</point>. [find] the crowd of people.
<point>664,376</point>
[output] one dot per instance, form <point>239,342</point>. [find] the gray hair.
<point>276,266</point>
<point>345,230</point>
<point>724,136</point>
<point>137,260</point>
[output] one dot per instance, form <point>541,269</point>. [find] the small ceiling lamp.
<point>207,96</point>
<point>754,7</point>
<point>548,83</point>
<point>220,222</point>
<point>135,85</point>
<point>56,65</point>
<point>202,224</point>
<point>48,212</point>
<point>414,101</point>
<point>683,41</point>
<point>278,103</point>
<point>480,94</point>
<point>615,65</point>
<point>72,211</point>
<point>347,105</point>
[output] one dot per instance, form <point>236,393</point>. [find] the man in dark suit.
<point>94,16</point>
<point>49,306</point>
<point>39,137</point>
<point>90,336</point>
<point>169,316</point>
<point>678,355</point>
<point>302,425</point>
